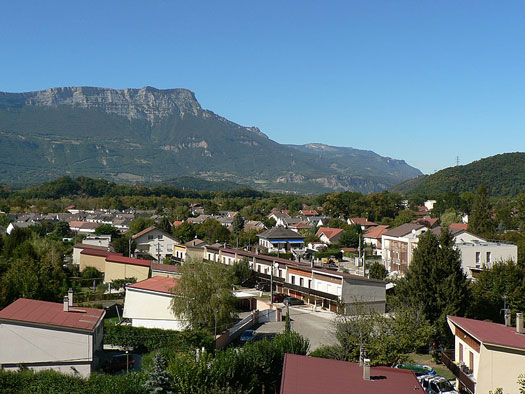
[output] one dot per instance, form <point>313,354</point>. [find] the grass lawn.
<point>426,359</point>
<point>112,320</point>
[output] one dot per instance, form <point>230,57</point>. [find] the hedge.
<point>329,253</point>
<point>49,381</point>
<point>144,340</point>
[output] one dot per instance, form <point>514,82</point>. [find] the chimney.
<point>519,323</point>
<point>366,369</point>
<point>508,322</point>
<point>66,304</point>
<point>70,296</point>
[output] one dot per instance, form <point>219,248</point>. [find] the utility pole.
<point>457,161</point>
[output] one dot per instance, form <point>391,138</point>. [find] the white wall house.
<point>155,243</point>
<point>479,254</point>
<point>148,304</point>
<point>47,335</point>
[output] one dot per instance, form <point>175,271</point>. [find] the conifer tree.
<point>480,220</point>
<point>436,282</point>
<point>159,380</point>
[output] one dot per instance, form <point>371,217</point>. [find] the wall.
<point>499,367</point>
<point>499,252</point>
<point>98,262</point>
<point>24,344</point>
<point>151,239</point>
<point>149,309</point>
<point>121,271</point>
<point>372,294</point>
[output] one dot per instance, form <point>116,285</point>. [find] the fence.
<point>234,332</point>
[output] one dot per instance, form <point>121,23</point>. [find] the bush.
<point>145,340</point>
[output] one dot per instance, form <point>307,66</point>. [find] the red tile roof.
<point>159,284</point>
<point>177,223</point>
<point>458,226</point>
<point>309,212</point>
<point>165,267</point>
<point>362,222</point>
<point>376,232</point>
<point>87,246</point>
<point>329,232</point>
<point>427,222</point>
<point>51,314</point>
<point>115,258</point>
<point>145,231</point>
<point>490,333</point>
<point>96,252</point>
<point>312,375</point>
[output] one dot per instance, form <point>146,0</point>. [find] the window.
<point>293,280</point>
<point>301,282</point>
<point>160,236</point>
<point>471,361</point>
<point>309,283</point>
<point>460,352</point>
<point>150,236</point>
<point>478,257</point>
<point>488,257</point>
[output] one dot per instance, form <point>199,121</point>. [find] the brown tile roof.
<point>490,333</point>
<point>115,258</point>
<point>51,314</point>
<point>97,252</point>
<point>280,233</point>
<point>362,222</point>
<point>376,231</point>
<point>458,226</point>
<point>145,231</point>
<point>173,268</point>
<point>403,230</point>
<point>427,222</point>
<point>87,246</point>
<point>159,284</point>
<point>312,375</point>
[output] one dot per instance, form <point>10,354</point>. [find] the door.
<point>471,361</point>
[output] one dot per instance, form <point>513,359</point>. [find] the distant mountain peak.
<point>146,103</point>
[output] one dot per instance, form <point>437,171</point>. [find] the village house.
<point>373,238</point>
<point>154,243</point>
<point>280,239</point>
<point>486,355</point>
<point>398,246</point>
<point>121,267</point>
<point>47,335</point>
<point>148,304</point>
<point>329,235</point>
<point>363,222</point>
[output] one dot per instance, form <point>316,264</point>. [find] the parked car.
<point>293,301</point>
<point>262,286</point>
<point>433,384</point>
<point>278,297</point>
<point>247,336</point>
<point>118,362</point>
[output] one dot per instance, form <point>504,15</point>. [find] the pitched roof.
<point>177,223</point>
<point>362,222</point>
<point>329,232</point>
<point>308,212</point>
<point>159,284</point>
<point>376,231</point>
<point>490,333</point>
<point>116,258</point>
<point>404,229</point>
<point>458,226</point>
<point>88,246</point>
<point>51,314</point>
<point>427,222</point>
<point>172,268</point>
<point>280,233</point>
<point>145,231</point>
<point>312,375</point>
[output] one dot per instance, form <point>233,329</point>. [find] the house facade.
<point>280,239</point>
<point>148,304</point>
<point>155,243</point>
<point>398,246</point>
<point>46,335</point>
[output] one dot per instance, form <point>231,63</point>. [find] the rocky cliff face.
<point>146,103</point>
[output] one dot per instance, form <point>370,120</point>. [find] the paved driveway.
<point>318,327</point>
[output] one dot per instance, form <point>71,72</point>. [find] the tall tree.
<point>238,223</point>
<point>480,220</point>
<point>204,296</point>
<point>436,281</point>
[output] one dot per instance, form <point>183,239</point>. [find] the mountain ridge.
<point>150,134</point>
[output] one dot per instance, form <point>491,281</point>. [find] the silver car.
<point>436,385</point>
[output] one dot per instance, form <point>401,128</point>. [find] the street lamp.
<point>127,361</point>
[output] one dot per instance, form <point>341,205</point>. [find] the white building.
<point>48,335</point>
<point>148,304</point>
<point>478,254</point>
<point>155,243</point>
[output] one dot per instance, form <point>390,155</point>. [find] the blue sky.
<point>423,80</point>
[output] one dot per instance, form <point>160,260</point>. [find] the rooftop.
<point>490,333</point>
<point>116,258</point>
<point>403,230</point>
<point>51,314</point>
<point>172,268</point>
<point>158,284</point>
<point>376,231</point>
<point>312,375</point>
<point>97,252</point>
<point>145,231</point>
<point>280,233</point>
<point>88,246</point>
<point>362,222</point>
<point>329,232</point>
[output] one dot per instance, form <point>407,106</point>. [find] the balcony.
<point>466,381</point>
